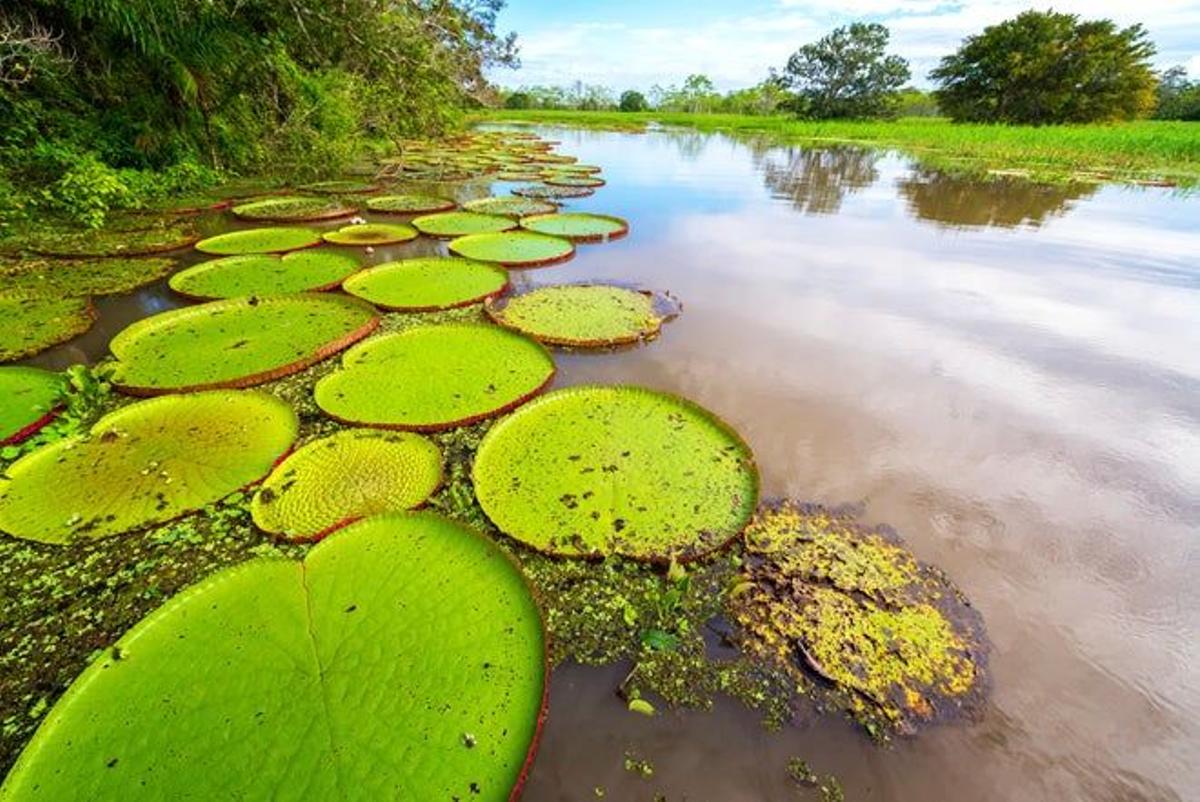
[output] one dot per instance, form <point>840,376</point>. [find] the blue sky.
<point>626,43</point>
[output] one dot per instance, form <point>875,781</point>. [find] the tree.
<point>518,100</point>
<point>698,94</point>
<point>847,74</point>
<point>1178,98</point>
<point>632,100</point>
<point>1047,67</point>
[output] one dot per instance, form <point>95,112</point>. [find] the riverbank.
<point>1151,151</point>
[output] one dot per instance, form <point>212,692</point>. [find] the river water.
<point>1007,374</point>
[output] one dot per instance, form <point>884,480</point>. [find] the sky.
<point>634,44</point>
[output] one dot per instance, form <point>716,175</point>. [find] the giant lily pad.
<point>514,248</point>
<point>350,475</point>
<point>105,276</point>
<point>146,463</point>
<point>428,284</point>
<point>264,274</point>
<point>33,323</point>
<point>616,470</point>
<point>235,343</point>
<point>372,234</point>
<point>435,377</point>
<point>410,204</point>
<point>96,244</point>
<point>577,226</point>
<point>510,207</point>
<point>584,315</point>
<point>259,240</point>
<point>560,179</point>
<point>291,209</point>
<point>546,192</point>
<point>402,659</point>
<point>340,188</point>
<point>28,400</point>
<point>460,224</point>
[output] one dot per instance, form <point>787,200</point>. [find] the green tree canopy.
<point>632,100</point>
<point>1178,98</point>
<point>1047,67</point>
<point>848,73</point>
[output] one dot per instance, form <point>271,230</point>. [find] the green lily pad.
<point>105,243</point>
<point>259,240</point>
<point>403,659</point>
<point>577,226</point>
<point>546,192</point>
<point>29,399</point>
<point>105,276</point>
<point>338,479</point>
<point>575,169</point>
<point>410,204</point>
<point>518,176</point>
<point>510,207</point>
<point>514,248</point>
<point>237,342</point>
<point>33,323</point>
<point>460,224</point>
<point>372,234</point>
<point>584,315</point>
<point>291,209</point>
<point>616,470</point>
<point>435,377</point>
<point>560,179</point>
<point>265,274</point>
<point>146,463</point>
<point>339,187</point>
<point>428,284</point>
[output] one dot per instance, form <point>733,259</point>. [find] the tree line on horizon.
<point>1037,68</point>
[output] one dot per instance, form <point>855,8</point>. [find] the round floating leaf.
<point>372,234</point>
<point>350,475</point>
<point>575,169</point>
<point>563,180</point>
<point>340,187</point>
<point>235,343</point>
<point>577,226</point>
<point>510,207</point>
<point>435,377</point>
<point>146,463</point>
<point>460,224</point>
<point>545,192</point>
<point>28,400</point>
<point>514,248</point>
<point>264,274</point>
<point>518,176</point>
<point>616,470</point>
<point>410,204</point>
<point>259,240</point>
<point>584,315</point>
<point>402,659</point>
<point>105,276</point>
<point>95,244</point>
<point>33,323</point>
<point>292,209</point>
<point>424,285</point>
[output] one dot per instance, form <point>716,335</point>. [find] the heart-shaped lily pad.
<point>510,207</point>
<point>372,234</point>
<point>265,274</point>
<point>236,343</point>
<point>460,224</point>
<point>435,377</point>
<point>514,248</point>
<point>260,240</point>
<point>29,399</point>
<point>584,315</point>
<point>577,226</point>
<point>97,244</point>
<point>349,475</point>
<point>105,276</point>
<point>339,187</point>
<point>402,659</point>
<point>428,284</point>
<point>410,204</point>
<point>33,323</point>
<point>546,192</point>
<point>616,470</point>
<point>292,209</point>
<point>146,463</point>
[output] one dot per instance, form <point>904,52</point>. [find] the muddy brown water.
<point>1008,374</point>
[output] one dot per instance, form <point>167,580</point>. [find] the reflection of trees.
<point>689,143</point>
<point>963,201</point>
<point>816,180</point>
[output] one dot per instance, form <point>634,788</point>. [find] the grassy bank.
<point>1154,151</point>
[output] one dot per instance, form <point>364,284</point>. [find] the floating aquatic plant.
<point>146,463</point>
<point>460,224</point>
<point>514,248</point>
<point>584,315</point>
<point>559,179</point>
<point>402,658</point>
<point>435,377</point>
<point>616,470</point>
<point>546,192</point>
<point>33,323</point>
<point>346,476</point>
<point>339,187</point>
<point>372,234</point>
<point>102,276</point>
<point>235,343</point>
<point>510,207</point>
<point>260,240</point>
<point>265,274</point>
<point>428,284</point>
<point>293,209</point>
<point>577,226</point>
<point>410,204</point>
<point>90,244</point>
<point>29,399</point>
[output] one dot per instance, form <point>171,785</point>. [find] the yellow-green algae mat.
<point>584,315</point>
<point>403,659</point>
<point>822,595</point>
<point>349,475</point>
<point>28,398</point>
<point>146,463</point>
<point>616,470</point>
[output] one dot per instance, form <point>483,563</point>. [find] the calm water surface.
<point>1008,374</point>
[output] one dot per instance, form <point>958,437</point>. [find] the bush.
<point>88,191</point>
<point>632,100</point>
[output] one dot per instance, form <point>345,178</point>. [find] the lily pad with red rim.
<point>339,188</point>
<point>409,204</point>
<point>460,224</point>
<point>577,226</point>
<point>584,315</point>
<point>428,284</point>
<point>265,274</point>
<point>546,192</point>
<point>510,207</point>
<point>564,180</point>
<point>514,248</point>
<point>33,323</point>
<point>260,240</point>
<point>89,244</point>
<point>29,399</point>
<point>101,276</point>
<point>293,208</point>
<point>370,234</point>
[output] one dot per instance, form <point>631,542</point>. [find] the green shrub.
<point>88,191</point>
